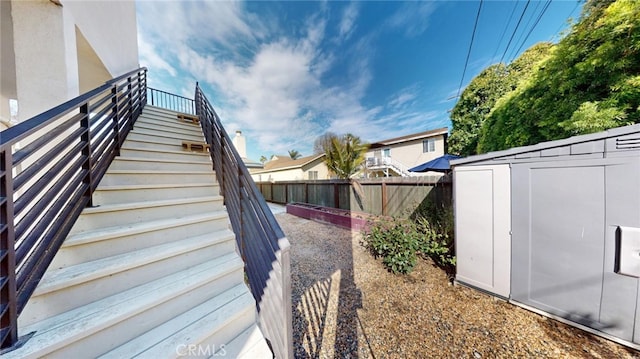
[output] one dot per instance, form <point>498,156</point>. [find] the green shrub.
<point>429,233</point>
<point>397,241</point>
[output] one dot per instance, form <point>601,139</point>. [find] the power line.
<point>526,26</point>
<point>473,35</point>
<point>544,9</point>
<point>515,30</point>
<point>515,5</point>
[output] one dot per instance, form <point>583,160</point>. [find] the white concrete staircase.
<point>151,271</point>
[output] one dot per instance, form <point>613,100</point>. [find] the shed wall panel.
<point>483,242</point>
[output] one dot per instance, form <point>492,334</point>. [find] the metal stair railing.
<point>262,244</point>
<point>49,167</point>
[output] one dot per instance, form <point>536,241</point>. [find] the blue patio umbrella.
<point>440,164</point>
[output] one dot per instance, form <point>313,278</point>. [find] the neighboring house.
<point>394,157</point>
<point>240,143</point>
<point>283,168</point>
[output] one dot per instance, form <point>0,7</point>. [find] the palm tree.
<point>263,159</point>
<point>294,154</point>
<point>346,155</point>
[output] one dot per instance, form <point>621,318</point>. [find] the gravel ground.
<point>346,305</point>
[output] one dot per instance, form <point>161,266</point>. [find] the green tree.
<point>294,154</point>
<point>345,155</point>
<point>480,96</point>
<point>589,83</point>
<point>263,159</point>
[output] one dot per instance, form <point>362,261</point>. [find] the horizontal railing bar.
<point>23,249</point>
<point>57,235</point>
<point>35,167</point>
<point>39,185</point>
<point>24,129</point>
<point>27,263</point>
<point>37,144</point>
<point>100,102</point>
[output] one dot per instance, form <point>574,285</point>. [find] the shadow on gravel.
<point>325,296</point>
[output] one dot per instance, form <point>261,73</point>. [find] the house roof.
<point>412,137</point>
<point>286,163</point>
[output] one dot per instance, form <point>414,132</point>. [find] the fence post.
<point>336,195</point>
<point>85,123</point>
<point>9,318</point>
<point>383,189</point>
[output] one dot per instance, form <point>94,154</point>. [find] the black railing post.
<point>116,118</point>
<point>87,164</point>
<point>152,101</point>
<point>9,318</point>
<point>130,104</point>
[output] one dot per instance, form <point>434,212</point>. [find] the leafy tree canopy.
<point>588,82</point>
<point>345,155</point>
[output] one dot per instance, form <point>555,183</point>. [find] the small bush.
<point>398,241</point>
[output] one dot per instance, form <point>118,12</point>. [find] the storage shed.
<point>555,228</point>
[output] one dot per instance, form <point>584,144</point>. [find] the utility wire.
<point>515,30</point>
<point>473,35</point>
<point>526,26</point>
<point>504,31</point>
<point>544,9</point>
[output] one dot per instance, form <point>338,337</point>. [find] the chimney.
<point>240,144</point>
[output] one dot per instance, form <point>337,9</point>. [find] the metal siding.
<point>620,293</point>
<point>482,212</point>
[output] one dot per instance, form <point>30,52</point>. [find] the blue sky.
<point>286,72</point>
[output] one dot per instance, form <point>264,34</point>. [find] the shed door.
<point>483,243</point>
<point>564,216</point>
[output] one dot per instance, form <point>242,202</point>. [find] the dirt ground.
<point>346,305</point>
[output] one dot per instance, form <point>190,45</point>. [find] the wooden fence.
<point>393,196</point>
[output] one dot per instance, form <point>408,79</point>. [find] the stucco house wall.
<point>284,169</point>
<point>402,153</point>
<point>86,42</point>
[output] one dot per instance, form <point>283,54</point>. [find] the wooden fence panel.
<point>389,196</point>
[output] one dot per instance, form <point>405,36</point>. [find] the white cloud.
<point>150,57</point>
<point>271,87</point>
<point>348,21</point>
<point>413,17</point>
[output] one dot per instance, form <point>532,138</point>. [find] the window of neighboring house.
<point>313,175</point>
<point>429,145</point>
<point>386,152</point>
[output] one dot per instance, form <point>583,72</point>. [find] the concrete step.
<point>154,131</point>
<point>166,139</point>
<point>137,212</point>
<point>133,149</point>
<point>98,327</point>
<point>147,192</point>
<point>110,241</point>
<point>170,123</point>
<point>139,177</point>
<point>250,344</point>
<point>162,128</point>
<point>211,321</point>
<point>63,289</point>
<point>148,109</point>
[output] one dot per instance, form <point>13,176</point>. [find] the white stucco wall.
<point>46,54</point>
<point>111,29</point>
<point>410,153</point>
<point>293,174</point>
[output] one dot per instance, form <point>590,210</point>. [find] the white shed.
<point>555,228</point>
